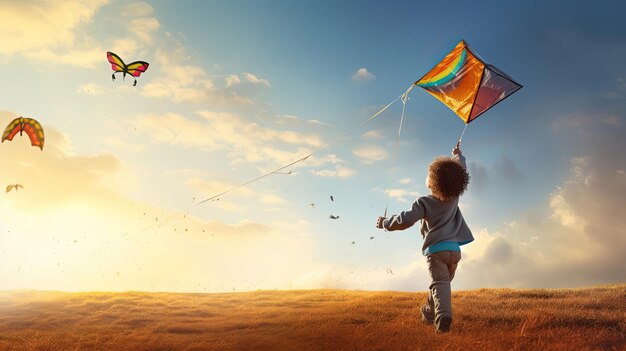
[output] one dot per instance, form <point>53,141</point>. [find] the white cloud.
<point>362,75</point>
<point>192,84</point>
<point>563,212</point>
<point>373,134</point>
<point>89,233</point>
<point>236,130</point>
<point>369,153</point>
<point>137,9</point>
<point>256,80</point>
<point>243,139</point>
<point>579,242</point>
<point>232,79</point>
<point>91,89</point>
<point>50,31</point>
<point>85,58</point>
<point>338,172</point>
<point>400,194</point>
<point>144,28</point>
<point>238,199</point>
<point>297,121</point>
<point>404,181</point>
<point>127,47</point>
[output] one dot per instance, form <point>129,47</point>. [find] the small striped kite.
<point>31,127</point>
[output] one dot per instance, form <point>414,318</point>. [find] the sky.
<point>236,89</point>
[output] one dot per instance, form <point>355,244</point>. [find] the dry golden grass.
<point>486,319</point>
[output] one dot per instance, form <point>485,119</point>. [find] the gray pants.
<point>441,266</point>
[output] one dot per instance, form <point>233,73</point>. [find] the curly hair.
<point>448,179</point>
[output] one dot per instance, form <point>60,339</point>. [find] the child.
<point>444,231</point>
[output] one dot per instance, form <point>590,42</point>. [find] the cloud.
<point>236,130</point>
<point>338,172</point>
<point>72,228</point>
<point>137,9</point>
<point>256,80</point>
<point>175,129</point>
<point>91,89</point>
<point>362,75</point>
<point>297,121</point>
<point>587,120</point>
<point>208,188</point>
<point>580,241</point>
<point>212,131</point>
<point>405,181</point>
<point>372,134</point>
<point>85,57</point>
<point>50,31</point>
<point>66,176</point>
<point>503,171</point>
<point>232,79</point>
<point>400,194</point>
<point>575,236</point>
<point>479,176</point>
<point>184,83</point>
<point>369,153</point>
<point>144,28</point>
<point>506,170</point>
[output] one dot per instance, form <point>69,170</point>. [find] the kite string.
<point>462,133</point>
<point>405,98</point>
<point>165,221</point>
<point>302,159</point>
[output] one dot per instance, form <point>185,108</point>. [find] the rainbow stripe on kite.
<point>466,84</point>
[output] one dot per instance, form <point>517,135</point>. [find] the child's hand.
<point>379,222</point>
<point>457,150</point>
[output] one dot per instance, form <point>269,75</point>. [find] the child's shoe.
<point>443,324</point>
<point>427,315</point>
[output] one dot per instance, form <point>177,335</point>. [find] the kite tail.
<point>404,98</point>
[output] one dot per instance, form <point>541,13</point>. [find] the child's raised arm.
<point>457,155</point>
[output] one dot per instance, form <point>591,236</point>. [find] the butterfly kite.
<point>135,69</point>
<point>14,186</point>
<point>465,83</point>
<point>31,127</point>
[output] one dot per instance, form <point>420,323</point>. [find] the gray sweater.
<point>441,220</point>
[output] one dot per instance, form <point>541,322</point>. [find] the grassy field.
<point>486,319</point>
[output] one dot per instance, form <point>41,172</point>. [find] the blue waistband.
<point>442,246</point>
